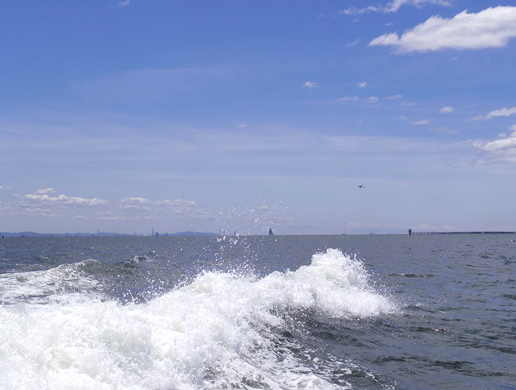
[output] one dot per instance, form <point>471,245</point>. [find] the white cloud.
<point>348,98</point>
<point>503,149</point>
<point>420,123</point>
<point>373,99</point>
<point>446,110</point>
<point>394,97</point>
<point>123,3</point>
<point>310,84</point>
<point>396,4</point>
<point>490,28</point>
<point>362,85</point>
<point>354,43</point>
<point>175,206</point>
<point>134,203</point>
<point>359,11</point>
<point>46,191</point>
<point>126,209</point>
<point>61,200</point>
<point>41,204</point>
<point>393,6</point>
<point>496,113</point>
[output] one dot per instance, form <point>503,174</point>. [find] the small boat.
<point>271,233</point>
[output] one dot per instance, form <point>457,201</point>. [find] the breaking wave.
<point>220,330</point>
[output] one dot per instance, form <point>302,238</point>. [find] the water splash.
<point>221,330</point>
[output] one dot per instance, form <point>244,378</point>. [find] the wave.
<point>221,330</point>
<point>64,282</point>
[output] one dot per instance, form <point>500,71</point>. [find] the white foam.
<point>48,285</point>
<point>212,333</point>
<point>334,283</point>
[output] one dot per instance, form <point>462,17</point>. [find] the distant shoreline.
<point>189,233</point>
<point>100,234</point>
<point>486,232</point>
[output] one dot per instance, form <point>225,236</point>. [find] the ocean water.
<point>258,312</point>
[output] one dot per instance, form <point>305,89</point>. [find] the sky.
<point>131,115</point>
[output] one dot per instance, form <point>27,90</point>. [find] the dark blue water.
<point>377,312</point>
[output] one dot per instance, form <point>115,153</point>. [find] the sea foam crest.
<point>219,331</point>
<point>55,284</point>
<point>335,284</point>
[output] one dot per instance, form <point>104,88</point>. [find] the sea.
<point>435,311</point>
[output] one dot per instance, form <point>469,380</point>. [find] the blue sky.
<point>130,115</point>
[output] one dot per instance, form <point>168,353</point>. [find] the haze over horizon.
<point>198,116</point>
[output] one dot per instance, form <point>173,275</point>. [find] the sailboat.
<point>271,233</point>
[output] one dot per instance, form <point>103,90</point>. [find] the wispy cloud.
<point>60,200</point>
<point>503,149</point>
<point>154,83</point>
<point>497,113</point>
<point>153,207</point>
<point>310,85</point>
<point>362,84</point>
<point>420,122</point>
<point>360,11</point>
<point>446,110</point>
<point>170,163</point>
<point>370,99</point>
<point>123,3</point>
<point>348,99</point>
<point>442,130</point>
<point>41,204</point>
<point>45,191</point>
<point>491,28</point>
<point>396,4</point>
<point>393,6</point>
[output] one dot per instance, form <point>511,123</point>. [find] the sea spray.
<point>221,330</point>
<point>66,281</point>
<point>335,284</point>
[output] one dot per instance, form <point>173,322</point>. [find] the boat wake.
<point>220,330</point>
